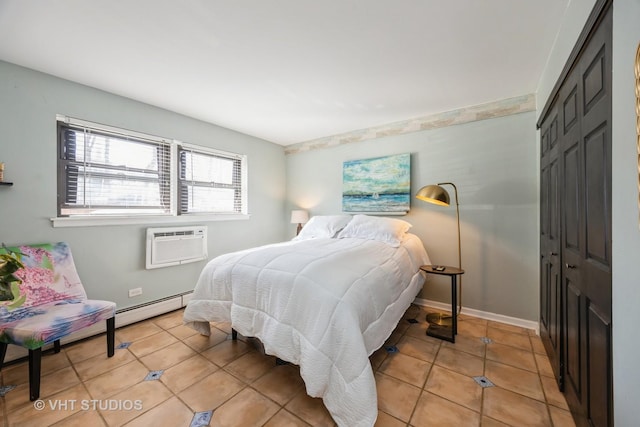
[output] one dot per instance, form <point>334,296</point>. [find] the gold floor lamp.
<point>437,195</point>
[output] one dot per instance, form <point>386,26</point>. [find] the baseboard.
<point>147,311</point>
<point>123,317</point>
<point>155,308</point>
<point>529,324</point>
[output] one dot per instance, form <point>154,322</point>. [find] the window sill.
<point>86,221</point>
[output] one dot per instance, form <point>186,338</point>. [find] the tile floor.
<point>423,381</point>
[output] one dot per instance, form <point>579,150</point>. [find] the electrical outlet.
<point>135,292</point>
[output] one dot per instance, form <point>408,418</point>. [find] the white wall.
<point>626,219</point>
<point>493,163</point>
<point>575,17</point>
<point>110,260</point>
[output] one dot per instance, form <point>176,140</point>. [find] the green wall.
<point>110,259</point>
<point>493,164</point>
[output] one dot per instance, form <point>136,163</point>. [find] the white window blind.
<point>114,173</point>
<point>104,172</point>
<point>211,181</point>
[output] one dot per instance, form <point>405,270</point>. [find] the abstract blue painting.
<point>380,185</point>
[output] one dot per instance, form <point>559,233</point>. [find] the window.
<point>210,181</point>
<point>105,171</point>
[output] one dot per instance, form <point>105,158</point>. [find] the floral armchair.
<point>48,303</point>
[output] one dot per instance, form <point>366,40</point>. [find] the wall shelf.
<point>8,184</point>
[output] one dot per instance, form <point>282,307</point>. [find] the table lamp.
<point>299,217</point>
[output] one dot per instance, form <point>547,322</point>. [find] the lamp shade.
<point>434,194</point>
<point>299,217</point>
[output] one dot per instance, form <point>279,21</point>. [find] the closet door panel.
<point>555,293</point>
<point>571,207</point>
<point>596,204</point>
<point>544,251</point>
<point>574,340</point>
<point>550,286</point>
<point>570,109</point>
<point>599,369</point>
<point>594,86</point>
<point>588,265</point>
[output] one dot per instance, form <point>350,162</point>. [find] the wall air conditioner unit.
<point>175,245</point>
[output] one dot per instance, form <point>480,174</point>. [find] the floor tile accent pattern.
<point>164,373</point>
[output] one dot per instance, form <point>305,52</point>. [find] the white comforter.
<point>323,304</point>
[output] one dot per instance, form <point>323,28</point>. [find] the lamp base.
<point>440,319</point>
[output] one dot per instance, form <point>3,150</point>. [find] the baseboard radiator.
<point>124,317</point>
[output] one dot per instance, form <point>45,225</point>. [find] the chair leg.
<point>3,352</point>
<point>35,357</point>
<point>56,346</point>
<point>111,336</point>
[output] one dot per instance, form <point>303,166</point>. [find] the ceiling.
<point>289,71</point>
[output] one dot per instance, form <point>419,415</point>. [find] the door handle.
<point>570,266</point>
<point>553,253</point>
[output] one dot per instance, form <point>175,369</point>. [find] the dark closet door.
<point>585,103</point>
<point>550,262</point>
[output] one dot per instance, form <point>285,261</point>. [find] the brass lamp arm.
<point>455,191</point>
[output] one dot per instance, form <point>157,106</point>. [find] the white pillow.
<point>387,230</point>
<point>320,226</point>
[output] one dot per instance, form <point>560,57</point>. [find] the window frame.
<point>173,215</point>
<point>239,188</point>
<point>68,181</point>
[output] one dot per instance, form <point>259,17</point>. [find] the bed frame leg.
<point>234,334</point>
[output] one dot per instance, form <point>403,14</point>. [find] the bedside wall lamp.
<point>299,217</point>
<point>439,196</point>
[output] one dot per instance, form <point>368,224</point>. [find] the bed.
<point>324,301</point>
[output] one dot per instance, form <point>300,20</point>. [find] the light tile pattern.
<point>426,382</point>
<point>504,107</point>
